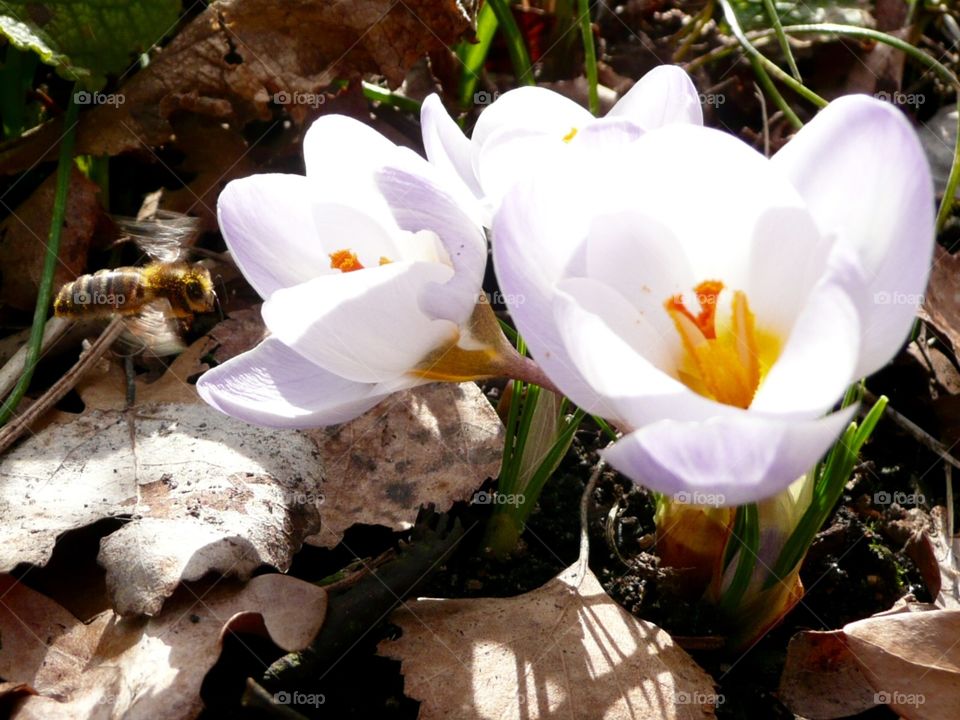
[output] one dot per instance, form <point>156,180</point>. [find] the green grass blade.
<point>589,53</point>
<point>64,165</point>
<point>516,46</point>
<point>473,56</point>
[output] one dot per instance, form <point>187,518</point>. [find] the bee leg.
<point>131,377</point>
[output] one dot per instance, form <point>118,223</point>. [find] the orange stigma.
<point>707,294</point>
<point>345,261</point>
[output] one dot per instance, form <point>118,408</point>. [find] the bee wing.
<point>152,332</point>
<point>165,236</point>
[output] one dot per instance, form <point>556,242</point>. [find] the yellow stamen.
<point>345,261</point>
<point>570,135</point>
<point>385,260</point>
<point>729,365</point>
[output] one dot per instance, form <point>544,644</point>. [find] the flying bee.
<point>156,297</point>
<point>187,288</point>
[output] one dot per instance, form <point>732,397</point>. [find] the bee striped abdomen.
<point>104,293</point>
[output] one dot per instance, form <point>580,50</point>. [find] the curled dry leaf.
<point>433,444</point>
<point>111,667</point>
<point>239,57</point>
<point>563,650</point>
<point>204,492</point>
<point>907,658</point>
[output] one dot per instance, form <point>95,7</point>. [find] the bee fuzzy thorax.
<point>188,288</point>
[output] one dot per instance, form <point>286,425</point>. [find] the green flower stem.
<point>590,54</point>
<point>64,166</point>
<point>515,44</point>
<point>760,66</point>
<point>782,38</point>
<point>376,93</point>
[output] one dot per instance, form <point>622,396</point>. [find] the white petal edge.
<point>418,203</point>
<point>736,460</point>
<point>862,172</point>
<point>445,144</point>
<point>272,386</point>
<point>267,223</point>
<point>663,96</point>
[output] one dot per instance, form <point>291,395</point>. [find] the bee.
<point>187,288</point>
<point>156,297</point>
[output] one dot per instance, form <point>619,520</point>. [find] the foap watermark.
<point>313,100</point>
<point>899,698</point>
<point>698,698</point>
<point>715,99</point>
<point>499,298</point>
<point>303,497</point>
<point>81,297</point>
<point>901,98</point>
<point>299,698</point>
<point>900,498</point>
<point>483,97</point>
<point>696,497</point>
<point>898,298</point>
<point>496,498</point>
<point>82,97</point>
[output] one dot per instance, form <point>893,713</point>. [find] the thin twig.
<point>12,431</point>
<point>915,431</point>
<point>13,369</point>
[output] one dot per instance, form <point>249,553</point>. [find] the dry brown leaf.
<point>909,656</point>
<point>153,670</point>
<point>565,650</point>
<point>24,233</point>
<point>205,492</point>
<point>821,678</point>
<point>941,303</point>
<point>912,659</point>
<point>233,59</point>
<point>436,443</point>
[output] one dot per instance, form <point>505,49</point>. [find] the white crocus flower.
<point>715,303</point>
<point>523,128</point>
<point>371,275</point>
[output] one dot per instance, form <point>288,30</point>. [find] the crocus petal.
<point>273,386</point>
<point>342,227</point>
<point>529,108</point>
<point>511,154</point>
<point>537,232</point>
<point>738,459</point>
<point>862,172</point>
<point>419,204</point>
<point>266,220</point>
<point>820,357</point>
<point>366,326</point>
<point>663,96</point>
<point>738,196</point>
<point>446,145</point>
<point>602,338</point>
<point>342,156</point>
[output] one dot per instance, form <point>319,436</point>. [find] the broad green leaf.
<point>85,41</point>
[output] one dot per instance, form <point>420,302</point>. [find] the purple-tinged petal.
<point>266,220</point>
<point>862,172</point>
<point>735,459</point>
<point>419,204</point>
<point>366,326</point>
<point>273,386</point>
<point>663,96</point>
<point>446,145</point>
